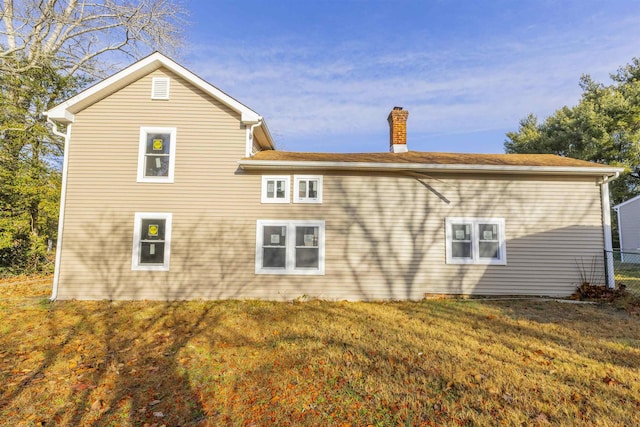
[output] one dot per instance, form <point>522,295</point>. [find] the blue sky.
<point>325,74</point>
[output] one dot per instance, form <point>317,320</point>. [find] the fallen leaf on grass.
<point>97,405</point>
<point>542,418</point>
<point>158,414</point>
<point>608,380</point>
<point>83,386</point>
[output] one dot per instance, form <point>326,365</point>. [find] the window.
<point>475,241</point>
<point>160,88</point>
<point>275,189</point>
<point>151,241</point>
<point>289,247</point>
<point>156,158</point>
<point>307,189</point>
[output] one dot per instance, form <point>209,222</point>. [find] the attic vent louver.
<point>160,88</point>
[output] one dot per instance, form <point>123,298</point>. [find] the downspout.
<point>249,144</point>
<point>606,228</point>
<point>63,197</point>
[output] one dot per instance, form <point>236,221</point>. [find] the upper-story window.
<point>156,159</point>
<point>476,241</point>
<point>307,189</point>
<point>160,88</point>
<point>275,189</point>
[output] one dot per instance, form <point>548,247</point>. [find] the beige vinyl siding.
<point>385,236</point>
<point>630,226</point>
<point>255,147</point>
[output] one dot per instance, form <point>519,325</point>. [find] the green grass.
<point>315,363</point>
<point>628,274</point>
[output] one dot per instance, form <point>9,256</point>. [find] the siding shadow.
<point>207,261</point>
<point>392,234</point>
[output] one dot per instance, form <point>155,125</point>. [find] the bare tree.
<point>50,49</point>
<point>73,34</point>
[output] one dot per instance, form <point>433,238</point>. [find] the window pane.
<point>158,143</point>
<point>152,229</point>
<point>313,189</point>
<point>280,189</point>
<point>270,189</point>
<point>489,250</point>
<point>307,236</point>
<point>461,231</point>
<point>302,190</point>
<point>488,232</point>
<point>156,165</point>
<point>307,257</point>
<point>461,249</point>
<point>274,257</point>
<point>274,235</point>
<point>151,252</point>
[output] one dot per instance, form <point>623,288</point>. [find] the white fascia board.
<point>460,168</point>
<point>137,70</point>
<point>626,202</point>
<point>267,134</point>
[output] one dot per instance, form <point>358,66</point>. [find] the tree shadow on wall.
<point>393,233</point>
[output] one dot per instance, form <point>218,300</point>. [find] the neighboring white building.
<point>629,229</point>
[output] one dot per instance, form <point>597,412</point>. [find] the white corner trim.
<point>63,202</point>
<point>606,232</point>
<point>142,151</point>
<point>137,231</point>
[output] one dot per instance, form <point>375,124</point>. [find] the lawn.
<point>252,363</point>
<point>628,273</point>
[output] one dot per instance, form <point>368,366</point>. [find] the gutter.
<point>63,198</point>
<point>607,172</point>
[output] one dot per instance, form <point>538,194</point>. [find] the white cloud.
<point>348,89</point>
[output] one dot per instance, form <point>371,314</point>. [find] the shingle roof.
<point>416,157</point>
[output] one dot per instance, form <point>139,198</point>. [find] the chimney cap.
<point>397,108</point>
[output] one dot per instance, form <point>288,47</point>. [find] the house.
<point>629,229</point>
<point>173,189</point>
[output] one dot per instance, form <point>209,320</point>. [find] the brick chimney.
<point>398,130</point>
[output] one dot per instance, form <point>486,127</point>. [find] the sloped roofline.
<point>65,112</point>
<point>418,161</point>
<point>626,202</point>
<point>426,167</point>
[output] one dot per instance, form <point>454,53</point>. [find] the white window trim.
<point>287,188</point>
<point>475,241</point>
<point>137,231</point>
<point>290,247</point>
<point>153,87</point>
<point>296,186</point>
<point>144,130</point>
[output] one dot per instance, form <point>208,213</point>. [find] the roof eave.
<point>431,167</point>
<point>64,111</point>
